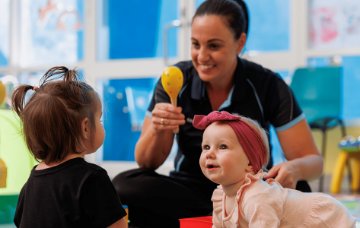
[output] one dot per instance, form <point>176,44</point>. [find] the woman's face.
<point>214,49</point>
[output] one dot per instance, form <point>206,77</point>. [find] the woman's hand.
<point>304,161</point>
<point>284,173</point>
<point>167,117</point>
<point>157,135</point>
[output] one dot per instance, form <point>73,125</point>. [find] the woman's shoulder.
<point>252,66</point>
<point>256,71</point>
<point>259,76</point>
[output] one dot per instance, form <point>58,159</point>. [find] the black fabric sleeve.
<point>282,105</point>
<point>19,208</point>
<point>99,200</point>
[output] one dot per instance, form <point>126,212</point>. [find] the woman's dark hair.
<point>230,10</point>
<point>245,10</point>
<point>52,117</point>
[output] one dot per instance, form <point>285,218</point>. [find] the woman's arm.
<point>157,135</point>
<point>304,160</point>
<point>121,223</point>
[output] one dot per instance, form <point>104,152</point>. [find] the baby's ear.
<point>85,128</point>
<point>249,168</point>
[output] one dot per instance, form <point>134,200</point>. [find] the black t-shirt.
<point>73,194</point>
<point>258,93</point>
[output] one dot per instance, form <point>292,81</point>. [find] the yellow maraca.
<point>2,93</point>
<point>172,80</point>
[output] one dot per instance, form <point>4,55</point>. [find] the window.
<point>269,27</point>
<point>125,104</point>
<point>334,24</point>
<point>270,19</point>
<point>4,32</point>
<point>119,47</point>
<point>51,32</point>
<point>333,39</point>
<point>135,29</point>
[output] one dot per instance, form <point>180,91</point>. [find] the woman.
<point>215,79</point>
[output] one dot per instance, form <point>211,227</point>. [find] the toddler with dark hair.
<point>61,124</point>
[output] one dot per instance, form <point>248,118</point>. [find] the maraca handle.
<point>174,101</point>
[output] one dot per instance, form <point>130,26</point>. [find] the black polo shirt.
<point>258,93</point>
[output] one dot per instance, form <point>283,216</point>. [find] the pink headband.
<point>249,139</point>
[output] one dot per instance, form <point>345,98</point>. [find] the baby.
<point>234,150</point>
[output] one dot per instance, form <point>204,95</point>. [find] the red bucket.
<point>196,222</point>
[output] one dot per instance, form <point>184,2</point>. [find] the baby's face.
<point>222,159</point>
